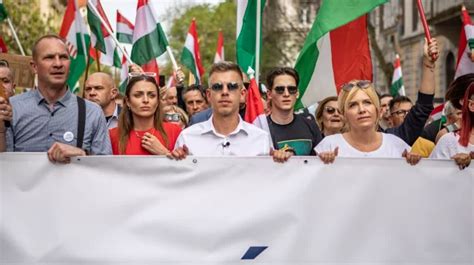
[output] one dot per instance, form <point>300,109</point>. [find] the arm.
<point>5,115</point>
<point>415,120</point>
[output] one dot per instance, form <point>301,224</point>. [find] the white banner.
<point>151,210</point>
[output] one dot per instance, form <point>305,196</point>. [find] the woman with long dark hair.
<point>141,130</point>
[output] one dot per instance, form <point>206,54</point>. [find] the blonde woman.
<point>360,107</point>
<point>141,130</point>
<point>176,115</point>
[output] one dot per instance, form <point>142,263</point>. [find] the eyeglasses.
<point>231,86</point>
<point>401,112</point>
<point>4,63</point>
<point>292,90</point>
<point>172,117</point>
<point>364,84</point>
<point>331,110</point>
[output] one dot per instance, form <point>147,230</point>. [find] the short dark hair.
<point>281,71</point>
<point>47,36</point>
<point>385,96</point>
<point>398,100</point>
<point>194,87</point>
<point>225,66</point>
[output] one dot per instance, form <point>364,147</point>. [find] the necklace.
<point>152,131</point>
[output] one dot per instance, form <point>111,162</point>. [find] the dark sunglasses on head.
<point>292,90</point>
<point>172,117</point>
<point>231,86</point>
<point>360,84</point>
<point>331,110</point>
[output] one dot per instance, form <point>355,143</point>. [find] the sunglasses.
<point>231,86</point>
<point>331,110</point>
<point>172,117</point>
<point>292,90</point>
<point>147,74</point>
<point>360,84</point>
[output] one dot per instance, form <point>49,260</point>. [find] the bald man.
<point>100,88</point>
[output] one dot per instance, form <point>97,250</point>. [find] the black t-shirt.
<point>301,135</point>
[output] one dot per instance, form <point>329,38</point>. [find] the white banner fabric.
<point>151,210</point>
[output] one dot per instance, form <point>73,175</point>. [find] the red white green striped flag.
<point>220,48</point>
<point>74,31</point>
<point>100,37</point>
<point>123,75</point>
<point>191,57</point>
<point>3,11</point>
<point>254,112</point>
<point>149,39</point>
<point>246,32</point>
<point>336,50</point>
<point>397,88</point>
<point>124,29</point>
<point>465,46</point>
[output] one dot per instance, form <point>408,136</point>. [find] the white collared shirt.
<point>203,140</point>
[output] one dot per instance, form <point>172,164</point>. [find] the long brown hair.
<point>125,123</point>
<point>467,120</point>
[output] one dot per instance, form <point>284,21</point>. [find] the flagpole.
<point>15,36</point>
<point>98,58</point>
<point>257,43</point>
<point>111,33</point>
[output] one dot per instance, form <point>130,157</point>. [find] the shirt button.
<point>50,134</point>
<point>52,114</point>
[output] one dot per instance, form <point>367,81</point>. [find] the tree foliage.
<point>209,19</point>
<point>29,24</point>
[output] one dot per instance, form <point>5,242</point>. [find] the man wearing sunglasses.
<point>225,133</point>
<point>295,133</point>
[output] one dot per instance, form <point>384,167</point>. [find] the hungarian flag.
<point>246,32</point>
<point>123,75</point>
<point>191,56</point>
<point>336,50</point>
<point>101,40</point>
<point>397,88</point>
<point>149,40</point>
<point>254,112</point>
<point>124,29</point>
<point>3,11</point>
<point>3,46</point>
<point>220,48</point>
<point>74,31</point>
<point>465,46</point>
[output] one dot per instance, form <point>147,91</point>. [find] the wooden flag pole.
<point>97,55</point>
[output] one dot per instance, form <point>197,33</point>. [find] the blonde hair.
<point>345,96</point>
<point>320,110</point>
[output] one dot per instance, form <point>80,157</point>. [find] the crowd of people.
<point>194,120</point>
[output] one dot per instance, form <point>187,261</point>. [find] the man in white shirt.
<point>225,133</point>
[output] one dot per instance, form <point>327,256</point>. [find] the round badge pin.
<point>68,136</point>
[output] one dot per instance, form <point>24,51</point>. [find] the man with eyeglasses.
<point>398,108</point>
<point>6,79</point>
<point>50,118</point>
<point>225,133</point>
<point>294,133</point>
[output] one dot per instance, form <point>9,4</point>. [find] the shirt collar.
<point>63,101</point>
<point>208,127</point>
<point>116,111</point>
